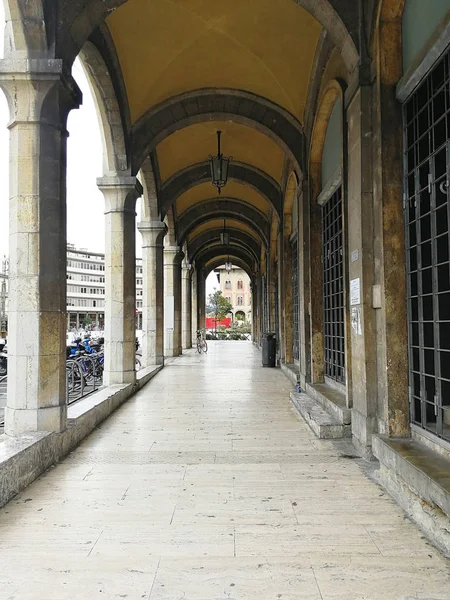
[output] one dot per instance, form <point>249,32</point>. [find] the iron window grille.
<point>426,120</point>
<point>333,288</point>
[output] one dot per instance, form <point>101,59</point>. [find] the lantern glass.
<point>224,238</point>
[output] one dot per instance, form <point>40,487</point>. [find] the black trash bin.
<point>269,350</point>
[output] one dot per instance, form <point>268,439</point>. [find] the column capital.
<point>28,83</point>
<point>173,255</point>
<point>120,191</point>
<point>153,233</point>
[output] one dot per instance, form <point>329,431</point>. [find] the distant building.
<point>86,288</point>
<point>235,287</point>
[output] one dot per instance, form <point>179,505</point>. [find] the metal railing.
<point>84,375</point>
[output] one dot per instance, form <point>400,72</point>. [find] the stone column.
<point>287,290</point>
<point>194,304</point>
<point>392,377</point>
<point>201,300</point>
<point>153,233</point>
<point>172,300</point>
<point>361,269</point>
<point>40,98</point>
<point>120,194</point>
<point>186,324</point>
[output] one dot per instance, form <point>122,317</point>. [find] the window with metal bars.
<point>426,118</point>
<point>295,337</point>
<point>333,288</point>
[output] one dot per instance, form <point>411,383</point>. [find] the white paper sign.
<point>355,292</point>
<point>356,320</point>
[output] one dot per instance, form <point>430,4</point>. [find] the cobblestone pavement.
<point>207,485</point>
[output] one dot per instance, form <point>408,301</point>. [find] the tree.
<point>218,306</point>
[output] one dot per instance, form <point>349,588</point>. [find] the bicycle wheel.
<point>137,364</point>
<point>205,346</point>
<point>199,347</point>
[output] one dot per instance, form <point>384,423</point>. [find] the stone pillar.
<point>40,98</point>
<point>194,305</point>
<point>153,233</point>
<point>392,376</point>
<point>172,300</point>
<point>361,271</point>
<point>120,194</point>
<point>287,291</point>
<point>201,300</point>
<point>304,284</point>
<point>186,324</point>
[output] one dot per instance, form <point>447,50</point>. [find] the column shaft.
<point>39,103</point>
<point>172,301</point>
<point>120,194</point>
<point>153,292</point>
<point>194,305</point>
<point>186,307</point>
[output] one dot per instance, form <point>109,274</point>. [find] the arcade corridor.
<point>206,485</point>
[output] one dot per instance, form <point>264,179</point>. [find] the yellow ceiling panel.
<point>167,47</point>
<point>233,189</point>
<point>195,143</point>
<point>218,224</point>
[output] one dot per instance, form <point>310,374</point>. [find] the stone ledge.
<point>419,480</point>
<point>24,458</point>
<point>292,372</point>
<point>322,423</point>
<point>332,400</point>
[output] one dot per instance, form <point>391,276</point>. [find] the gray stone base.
<point>24,458</point>
<point>332,401</point>
<point>292,372</point>
<point>419,480</point>
<point>322,423</point>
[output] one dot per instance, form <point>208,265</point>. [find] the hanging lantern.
<point>224,236</point>
<point>228,266</point>
<point>219,167</point>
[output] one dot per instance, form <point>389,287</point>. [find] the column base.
<point>363,428</point>
<point>118,377</point>
<point>19,421</point>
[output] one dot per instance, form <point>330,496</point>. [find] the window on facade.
<point>333,288</point>
<point>426,118</point>
<point>228,285</point>
<point>240,300</point>
<point>240,285</point>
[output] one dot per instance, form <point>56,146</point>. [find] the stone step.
<point>332,400</point>
<point>322,423</point>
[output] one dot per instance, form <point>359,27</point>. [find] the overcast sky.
<point>85,204</point>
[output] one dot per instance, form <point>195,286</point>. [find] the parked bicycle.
<point>202,346</point>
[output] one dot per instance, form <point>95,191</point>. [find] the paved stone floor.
<point>207,485</point>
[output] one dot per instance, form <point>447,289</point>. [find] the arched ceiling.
<point>218,224</point>
<point>195,143</point>
<point>188,68</point>
<point>263,47</point>
<point>205,191</point>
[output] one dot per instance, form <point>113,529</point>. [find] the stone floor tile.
<point>207,484</point>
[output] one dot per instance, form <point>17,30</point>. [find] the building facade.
<point>86,289</point>
<point>235,286</point>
